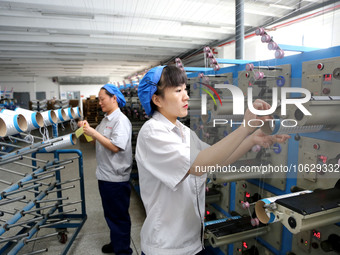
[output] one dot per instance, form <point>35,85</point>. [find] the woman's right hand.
<point>82,123</point>
<point>256,121</point>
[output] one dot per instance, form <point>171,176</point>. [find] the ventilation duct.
<point>78,80</point>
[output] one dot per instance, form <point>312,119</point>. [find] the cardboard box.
<point>73,102</point>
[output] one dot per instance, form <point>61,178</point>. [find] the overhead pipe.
<point>292,21</point>
<point>250,32</point>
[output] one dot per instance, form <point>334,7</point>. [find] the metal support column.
<point>239,35</point>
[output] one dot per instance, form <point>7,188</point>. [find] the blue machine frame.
<point>296,71</point>
<point>81,217</point>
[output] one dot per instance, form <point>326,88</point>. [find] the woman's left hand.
<point>89,130</point>
<point>266,141</point>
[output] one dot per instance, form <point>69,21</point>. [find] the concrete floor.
<point>95,232</point>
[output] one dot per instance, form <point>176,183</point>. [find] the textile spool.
<point>12,124</point>
<point>34,119</point>
<point>70,113</point>
<point>62,116</point>
<point>264,215</point>
<point>78,112</point>
<point>50,117</point>
<point>67,140</point>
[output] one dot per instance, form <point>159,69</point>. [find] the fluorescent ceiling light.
<point>102,36</point>
<point>194,24</point>
<point>174,38</point>
<point>69,34</point>
<point>22,33</point>
<point>72,64</point>
<point>68,15</point>
<point>281,6</point>
<point>69,54</point>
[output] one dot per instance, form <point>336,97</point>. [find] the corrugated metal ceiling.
<point>122,37</point>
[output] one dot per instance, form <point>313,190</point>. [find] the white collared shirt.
<point>114,167</point>
<point>174,201</point>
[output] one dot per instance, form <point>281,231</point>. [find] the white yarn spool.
<point>266,216</point>
<point>70,114</point>
<point>68,140</point>
<point>50,117</point>
<point>12,124</point>
<point>78,112</point>
<point>34,119</point>
<point>61,114</point>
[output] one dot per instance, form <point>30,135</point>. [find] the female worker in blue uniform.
<point>167,154</point>
<point>114,161</point>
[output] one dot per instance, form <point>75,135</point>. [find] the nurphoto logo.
<point>238,100</point>
<point>238,103</point>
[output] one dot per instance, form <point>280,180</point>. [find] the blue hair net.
<point>148,86</point>
<point>115,91</point>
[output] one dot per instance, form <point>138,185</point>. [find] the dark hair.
<point>171,76</point>
<point>107,92</point>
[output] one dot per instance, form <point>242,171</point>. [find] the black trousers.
<point>116,201</point>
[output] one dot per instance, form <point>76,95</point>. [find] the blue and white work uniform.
<point>113,174</point>
<point>173,199</point>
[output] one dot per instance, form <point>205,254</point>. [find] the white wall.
<point>85,90</point>
<point>31,85</point>
<point>52,89</point>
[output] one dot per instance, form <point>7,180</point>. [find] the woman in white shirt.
<point>114,161</point>
<point>167,153</point>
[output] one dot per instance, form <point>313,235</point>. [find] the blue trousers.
<point>116,201</point>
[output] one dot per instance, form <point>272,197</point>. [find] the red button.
<point>320,66</point>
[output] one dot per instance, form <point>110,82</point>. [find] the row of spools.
<point>22,120</point>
